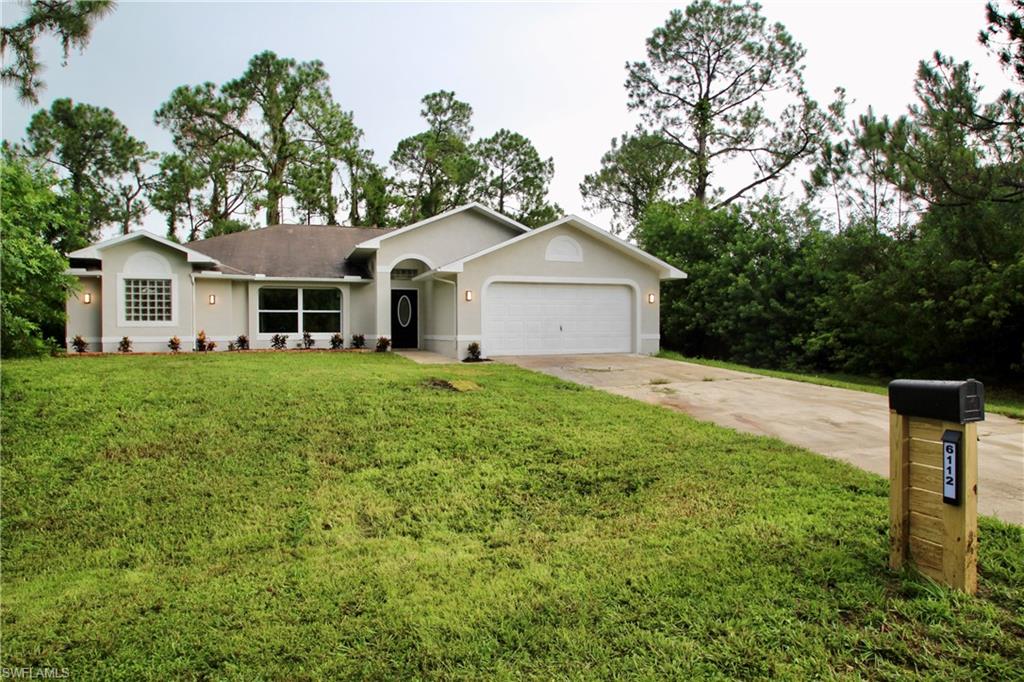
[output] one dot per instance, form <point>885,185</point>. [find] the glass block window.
<point>404,273</point>
<point>147,300</point>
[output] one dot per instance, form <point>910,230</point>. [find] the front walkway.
<point>849,425</point>
<point>425,357</point>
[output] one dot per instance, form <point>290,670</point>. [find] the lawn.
<point>316,515</point>
<point>998,399</point>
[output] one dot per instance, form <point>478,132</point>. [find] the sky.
<point>551,71</point>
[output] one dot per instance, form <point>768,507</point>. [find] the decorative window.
<point>564,249</point>
<point>148,300</point>
<point>403,273</point>
<point>293,311</point>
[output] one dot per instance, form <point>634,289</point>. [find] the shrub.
<point>279,342</point>
<point>202,345</point>
<point>307,340</point>
<point>358,341</point>
<point>174,344</point>
<point>125,346</point>
<point>383,343</point>
<point>473,351</point>
<point>232,346</point>
<point>79,344</point>
<point>212,345</point>
<point>242,342</point>
<point>337,342</point>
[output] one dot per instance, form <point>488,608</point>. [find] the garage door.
<point>538,319</point>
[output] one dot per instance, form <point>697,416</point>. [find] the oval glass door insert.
<point>404,311</point>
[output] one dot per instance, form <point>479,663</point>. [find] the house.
<point>470,274</point>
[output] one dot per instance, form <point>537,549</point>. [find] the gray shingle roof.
<point>298,251</point>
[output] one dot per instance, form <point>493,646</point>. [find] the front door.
<point>404,318</point>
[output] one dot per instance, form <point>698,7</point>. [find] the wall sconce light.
<point>213,299</point>
<point>87,298</point>
<point>469,294</point>
<point>650,298</point>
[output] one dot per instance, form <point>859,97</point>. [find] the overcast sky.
<point>553,72</point>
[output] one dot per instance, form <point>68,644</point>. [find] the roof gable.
<point>93,251</point>
<point>666,271</point>
<point>373,244</point>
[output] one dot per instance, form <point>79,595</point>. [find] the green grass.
<point>998,399</point>
<point>316,515</point>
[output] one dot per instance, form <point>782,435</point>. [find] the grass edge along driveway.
<point>312,515</point>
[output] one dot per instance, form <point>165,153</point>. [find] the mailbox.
<point>933,476</point>
<point>951,401</point>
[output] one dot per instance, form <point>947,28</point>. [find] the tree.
<point>712,72</point>
<point>1004,35</point>
<point>34,284</point>
<point>638,170</point>
<point>857,173</point>
<point>514,178</point>
<point>280,110</point>
<point>953,150</point>
<point>71,21</point>
<point>436,169</point>
<point>104,163</point>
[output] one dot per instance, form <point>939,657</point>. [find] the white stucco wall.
<point>86,319</point>
<point>525,261</point>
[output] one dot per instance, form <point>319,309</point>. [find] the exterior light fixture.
<point>469,294</point>
<point>213,299</point>
<point>650,298</point>
<point>87,298</point>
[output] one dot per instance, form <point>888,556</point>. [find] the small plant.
<point>279,342</point>
<point>383,343</point>
<point>79,344</point>
<point>125,346</point>
<point>358,341</point>
<point>307,340</point>
<point>473,351</point>
<point>232,346</point>
<point>202,345</point>
<point>242,342</point>
<point>337,342</point>
<point>212,345</point>
<point>174,344</point>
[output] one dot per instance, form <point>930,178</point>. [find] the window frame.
<point>122,301</point>
<point>301,311</point>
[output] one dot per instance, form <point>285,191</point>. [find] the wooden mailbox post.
<point>933,472</point>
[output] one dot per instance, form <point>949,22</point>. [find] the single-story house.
<point>470,274</point>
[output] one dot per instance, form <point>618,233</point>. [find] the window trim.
<point>122,320</point>
<point>300,312</point>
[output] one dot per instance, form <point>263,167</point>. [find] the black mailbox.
<point>951,401</point>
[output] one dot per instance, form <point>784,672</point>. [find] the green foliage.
<point>104,164</point>
<point>34,284</point>
<point>705,86</point>
<point>436,169</point>
<point>1004,35</point>
<point>327,516</point>
<point>70,21</point>
<point>637,171</point>
<point>274,131</point>
<point>514,179</point>
<point>441,168</point>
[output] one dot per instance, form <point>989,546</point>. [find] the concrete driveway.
<point>849,425</point>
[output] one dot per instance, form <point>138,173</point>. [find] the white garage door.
<point>539,319</point>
